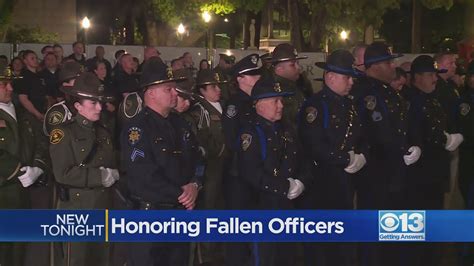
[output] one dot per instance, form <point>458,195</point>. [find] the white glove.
<point>296,188</point>
<point>357,161</point>
<point>415,153</point>
<point>453,141</point>
<point>30,175</point>
<point>109,176</point>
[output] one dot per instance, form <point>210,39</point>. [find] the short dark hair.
<point>76,43</point>
<point>400,73</point>
<point>57,45</point>
<point>45,47</point>
<point>49,53</point>
<point>118,53</point>
<point>27,52</point>
<point>3,57</point>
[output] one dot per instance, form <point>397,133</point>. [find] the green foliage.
<point>433,4</point>
<point>6,8</point>
<point>25,34</point>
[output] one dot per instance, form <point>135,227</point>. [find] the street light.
<point>86,24</point>
<point>181,29</point>
<point>343,35</point>
<point>206,16</point>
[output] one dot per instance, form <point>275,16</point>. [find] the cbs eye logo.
<point>401,221</point>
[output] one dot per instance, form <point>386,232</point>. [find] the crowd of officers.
<point>250,134</point>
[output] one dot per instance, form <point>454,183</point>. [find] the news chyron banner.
<point>235,226</point>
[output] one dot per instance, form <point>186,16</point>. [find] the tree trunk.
<point>416,27</point>
<point>369,34</point>
<point>270,19</point>
<point>296,35</point>
<point>318,18</point>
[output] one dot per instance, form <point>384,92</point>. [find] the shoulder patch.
<point>231,111</point>
<point>311,114</point>
<point>134,135</point>
<point>246,140</point>
<point>464,109</point>
<point>56,136</point>
<point>55,118</point>
<point>370,102</point>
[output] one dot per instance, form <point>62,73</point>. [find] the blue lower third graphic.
<point>235,226</point>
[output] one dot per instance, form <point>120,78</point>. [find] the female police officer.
<point>84,163</point>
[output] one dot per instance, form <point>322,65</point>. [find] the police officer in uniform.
<point>287,73</point>
<point>466,150</point>
<point>238,112</point>
<point>466,153</point>
<point>269,161</point>
<point>335,144</point>
<point>84,163</point>
<point>207,114</point>
<point>23,161</point>
<point>60,112</point>
<point>393,144</point>
<point>430,175</point>
<point>151,156</point>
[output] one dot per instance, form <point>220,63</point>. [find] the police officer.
<point>151,156</point>
<point>384,114</point>
<point>269,162</point>
<point>238,112</point>
<point>287,73</point>
<point>466,127</point>
<point>207,114</point>
<point>335,144</point>
<point>466,153</point>
<point>84,163</point>
<point>23,161</point>
<point>429,176</point>
<point>60,112</point>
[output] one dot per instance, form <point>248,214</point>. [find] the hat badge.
<point>8,72</point>
<point>435,65</point>
<point>101,88</point>
<point>277,87</point>
<point>254,60</point>
<point>216,77</point>
<point>169,72</point>
<point>295,52</point>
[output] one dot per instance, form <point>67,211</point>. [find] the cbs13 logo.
<point>401,221</point>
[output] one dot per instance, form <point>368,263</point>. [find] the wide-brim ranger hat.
<point>285,52</point>
<point>267,87</point>
<point>88,86</point>
<point>156,72</point>
<point>341,62</point>
<point>185,88</point>
<point>246,66</point>
<point>425,63</point>
<point>6,74</point>
<point>209,77</point>
<point>378,52</point>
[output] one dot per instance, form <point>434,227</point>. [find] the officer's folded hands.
<point>296,188</point>
<point>189,195</point>
<point>413,156</point>
<point>109,176</point>
<point>453,141</point>
<point>356,162</point>
<point>31,174</point>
